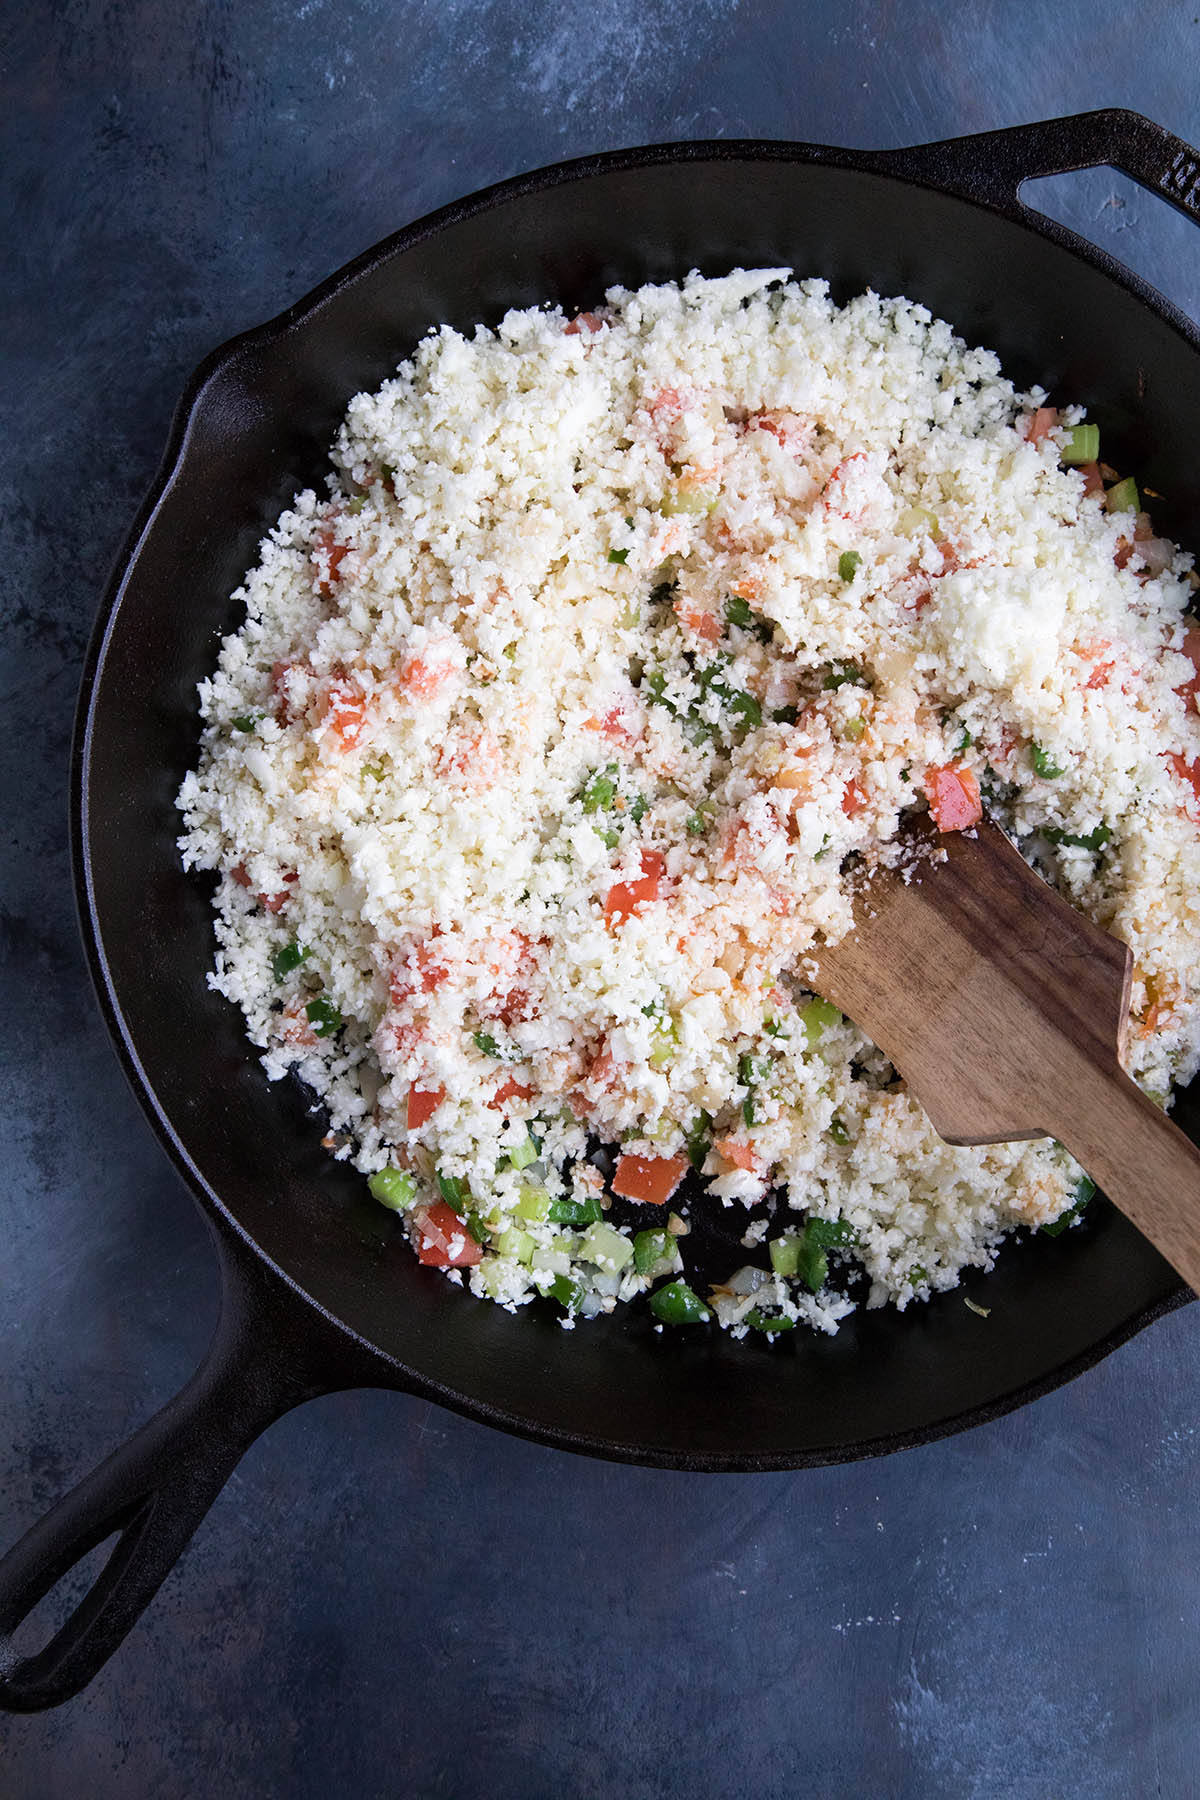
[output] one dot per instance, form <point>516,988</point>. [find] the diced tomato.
<point>838,495</point>
<point>624,897</point>
<point>327,557</point>
<point>420,676</point>
<point>274,903</point>
<point>612,725</point>
<point>584,323</point>
<point>789,430</point>
<point>1099,675</point>
<point>422,972</point>
<point>281,688</point>
<point>510,1089</point>
<point>706,625</point>
<point>1093,480</point>
<point>1123,552</point>
<point>1190,690</point>
<point>737,1151</point>
<point>1041,424</point>
<point>1190,773</point>
<point>345,711</point>
<point>238,873</point>
<point>853,800</point>
<point>422,1104</point>
<point>443,1241</point>
<point>297,1030</point>
<point>953,795</point>
<point>651,1179</point>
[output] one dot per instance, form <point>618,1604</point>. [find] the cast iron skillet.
<point>319,1290</point>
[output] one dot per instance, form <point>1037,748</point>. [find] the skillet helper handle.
<point>1138,1158</point>
<point>990,166</point>
<point>156,1489</point>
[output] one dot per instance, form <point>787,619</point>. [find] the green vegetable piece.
<point>617,556</point>
<point>818,1016</point>
<point>785,1253</point>
<point>853,729</point>
<point>747,706</point>
<point>287,958</point>
<point>534,1204</point>
<point>841,674</point>
<point>516,1243</point>
<point>324,1016</point>
<point>1094,841</point>
<point>1123,496</point>
<point>690,501</point>
<point>609,833</point>
<point>837,1131</point>
<point>1083,1193</point>
<point>247,721</point>
<point>603,1244</point>
<point>356,505</point>
<point>830,1234</point>
<point>639,806</point>
<point>812,1264</point>
<point>477,1228</point>
<point>739,612</point>
<point>393,1188</point>
<point>568,1293</point>
<point>698,822</point>
<point>768,1322</point>
<point>848,563</point>
<point>483,1040</point>
<point>677,1304</point>
<point>698,1138</point>
<point>665,1042</point>
<point>453,1189</point>
<point>600,792</point>
<point>1044,764</point>
<point>575,1212</point>
<point>519,1156</point>
<point>1082,445</point>
<point>653,1252</point>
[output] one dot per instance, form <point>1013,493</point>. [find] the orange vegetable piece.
<point>584,322</point>
<point>1190,690</point>
<point>328,554</point>
<point>650,1179</point>
<point>738,1152</point>
<point>1189,772</point>
<point>624,897</point>
<point>422,1104</point>
<point>953,795</point>
<point>853,800</point>
<point>706,625</point>
<point>510,1089</point>
<point>1043,421</point>
<point>345,710</point>
<point>443,1241</point>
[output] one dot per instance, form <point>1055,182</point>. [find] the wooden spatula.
<point>1006,1013</point>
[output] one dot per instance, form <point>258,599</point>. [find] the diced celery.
<point>519,1156</point>
<point>664,1040</point>
<point>534,1204</point>
<point>785,1253</point>
<point>691,500</point>
<point>817,1017</point>
<point>516,1243</point>
<point>394,1188</point>
<point>605,1245</point>
<point>1082,445</point>
<point>917,519</point>
<point>1123,496</point>
<point>853,729</point>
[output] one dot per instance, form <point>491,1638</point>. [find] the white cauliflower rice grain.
<point>531,774</point>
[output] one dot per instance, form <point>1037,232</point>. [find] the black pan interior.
<point>258,428</point>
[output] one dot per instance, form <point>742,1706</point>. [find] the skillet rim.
<point>382,1367</point>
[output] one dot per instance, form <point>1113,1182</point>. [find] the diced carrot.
<point>853,799</point>
<point>443,1241</point>
<point>624,897</point>
<point>749,588</point>
<point>953,795</point>
<point>706,625</point>
<point>1042,423</point>
<point>738,1151</point>
<point>510,1089</point>
<point>422,1104</point>
<point>650,1179</point>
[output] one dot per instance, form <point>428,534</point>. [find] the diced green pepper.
<point>739,612</point>
<point>1083,1193</point>
<point>653,1252</point>
<point>477,1228</point>
<point>837,1131</point>
<point>568,1293</point>
<point>287,958</point>
<point>848,563</point>
<point>1082,445</point>
<point>697,1139</point>
<point>830,1234</point>
<point>600,792</point>
<point>483,1040</point>
<point>1044,764</point>
<point>698,822</point>
<point>768,1322</point>
<point>248,721</point>
<point>812,1264</point>
<point>677,1304</point>
<point>841,674</point>
<point>617,556</point>
<point>817,1017</point>
<point>1094,841</point>
<point>575,1212</point>
<point>453,1189</point>
<point>323,1016</point>
<point>394,1188</point>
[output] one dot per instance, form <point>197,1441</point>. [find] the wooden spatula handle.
<point>1142,1162</point>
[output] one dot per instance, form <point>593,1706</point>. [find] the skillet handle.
<point>156,1489</point>
<point>990,166</point>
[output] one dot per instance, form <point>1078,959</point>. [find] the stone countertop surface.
<point>388,1600</point>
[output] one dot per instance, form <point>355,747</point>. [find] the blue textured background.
<point>387,1600</point>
